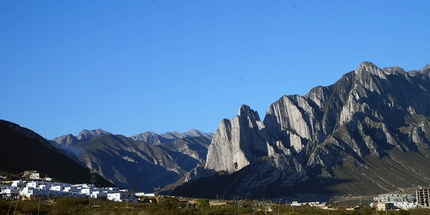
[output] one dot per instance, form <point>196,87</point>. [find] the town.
<point>37,187</point>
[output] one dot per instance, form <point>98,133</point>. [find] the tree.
<point>202,203</point>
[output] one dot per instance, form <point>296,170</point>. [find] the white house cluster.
<point>45,188</point>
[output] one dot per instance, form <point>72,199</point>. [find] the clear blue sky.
<point>134,66</point>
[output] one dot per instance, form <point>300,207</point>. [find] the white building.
<point>17,183</point>
<point>35,176</point>
<point>30,191</point>
<point>142,194</point>
<point>295,203</point>
<point>57,187</point>
<point>121,197</point>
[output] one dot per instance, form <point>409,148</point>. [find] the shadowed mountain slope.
<point>22,149</point>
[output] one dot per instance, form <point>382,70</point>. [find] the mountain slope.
<point>23,149</point>
<point>368,133</point>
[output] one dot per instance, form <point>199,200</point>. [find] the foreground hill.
<point>22,149</point>
<point>366,134</point>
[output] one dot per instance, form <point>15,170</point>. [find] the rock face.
<point>237,142</point>
<point>371,116</point>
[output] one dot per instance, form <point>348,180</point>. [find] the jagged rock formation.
<point>238,142</point>
<point>371,118</point>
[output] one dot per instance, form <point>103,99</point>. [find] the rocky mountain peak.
<point>237,142</point>
<point>86,134</point>
<point>369,68</point>
<point>425,69</point>
<point>245,111</point>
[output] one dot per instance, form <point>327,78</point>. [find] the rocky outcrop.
<point>238,142</point>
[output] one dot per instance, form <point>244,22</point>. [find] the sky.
<point>165,65</point>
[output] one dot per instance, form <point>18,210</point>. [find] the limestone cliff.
<point>238,142</point>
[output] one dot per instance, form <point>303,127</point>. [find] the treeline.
<point>173,206</point>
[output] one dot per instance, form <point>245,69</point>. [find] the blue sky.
<point>134,66</point>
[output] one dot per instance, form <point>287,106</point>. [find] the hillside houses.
<point>47,189</point>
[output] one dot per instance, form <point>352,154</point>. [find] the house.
<point>384,206</point>
<point>34,176</point>
<point>9,192</point>
<point>30,191</point>
<point>296,203</point>
<point>121,197</point>
<point>17,183</point>
<point>57,187</point>
<point>142,194</point>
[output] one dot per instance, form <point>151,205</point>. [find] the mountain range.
<point>142,162</point>
<point>368,133</point>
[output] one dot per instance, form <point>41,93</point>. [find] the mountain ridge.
<point>156,139</point>
<point>370,115</point>
<point>148,136</point>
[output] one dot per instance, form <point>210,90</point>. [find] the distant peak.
<point>87,134</point>
<point>427,67</point>
<point>94,131</point>
<point>367,66</point>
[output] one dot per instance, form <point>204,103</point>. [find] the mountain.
<point>23,149</point>
<point>366,134</point>
<point>84,135</point>
<point>128,163</point>
<point>168,137</point>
